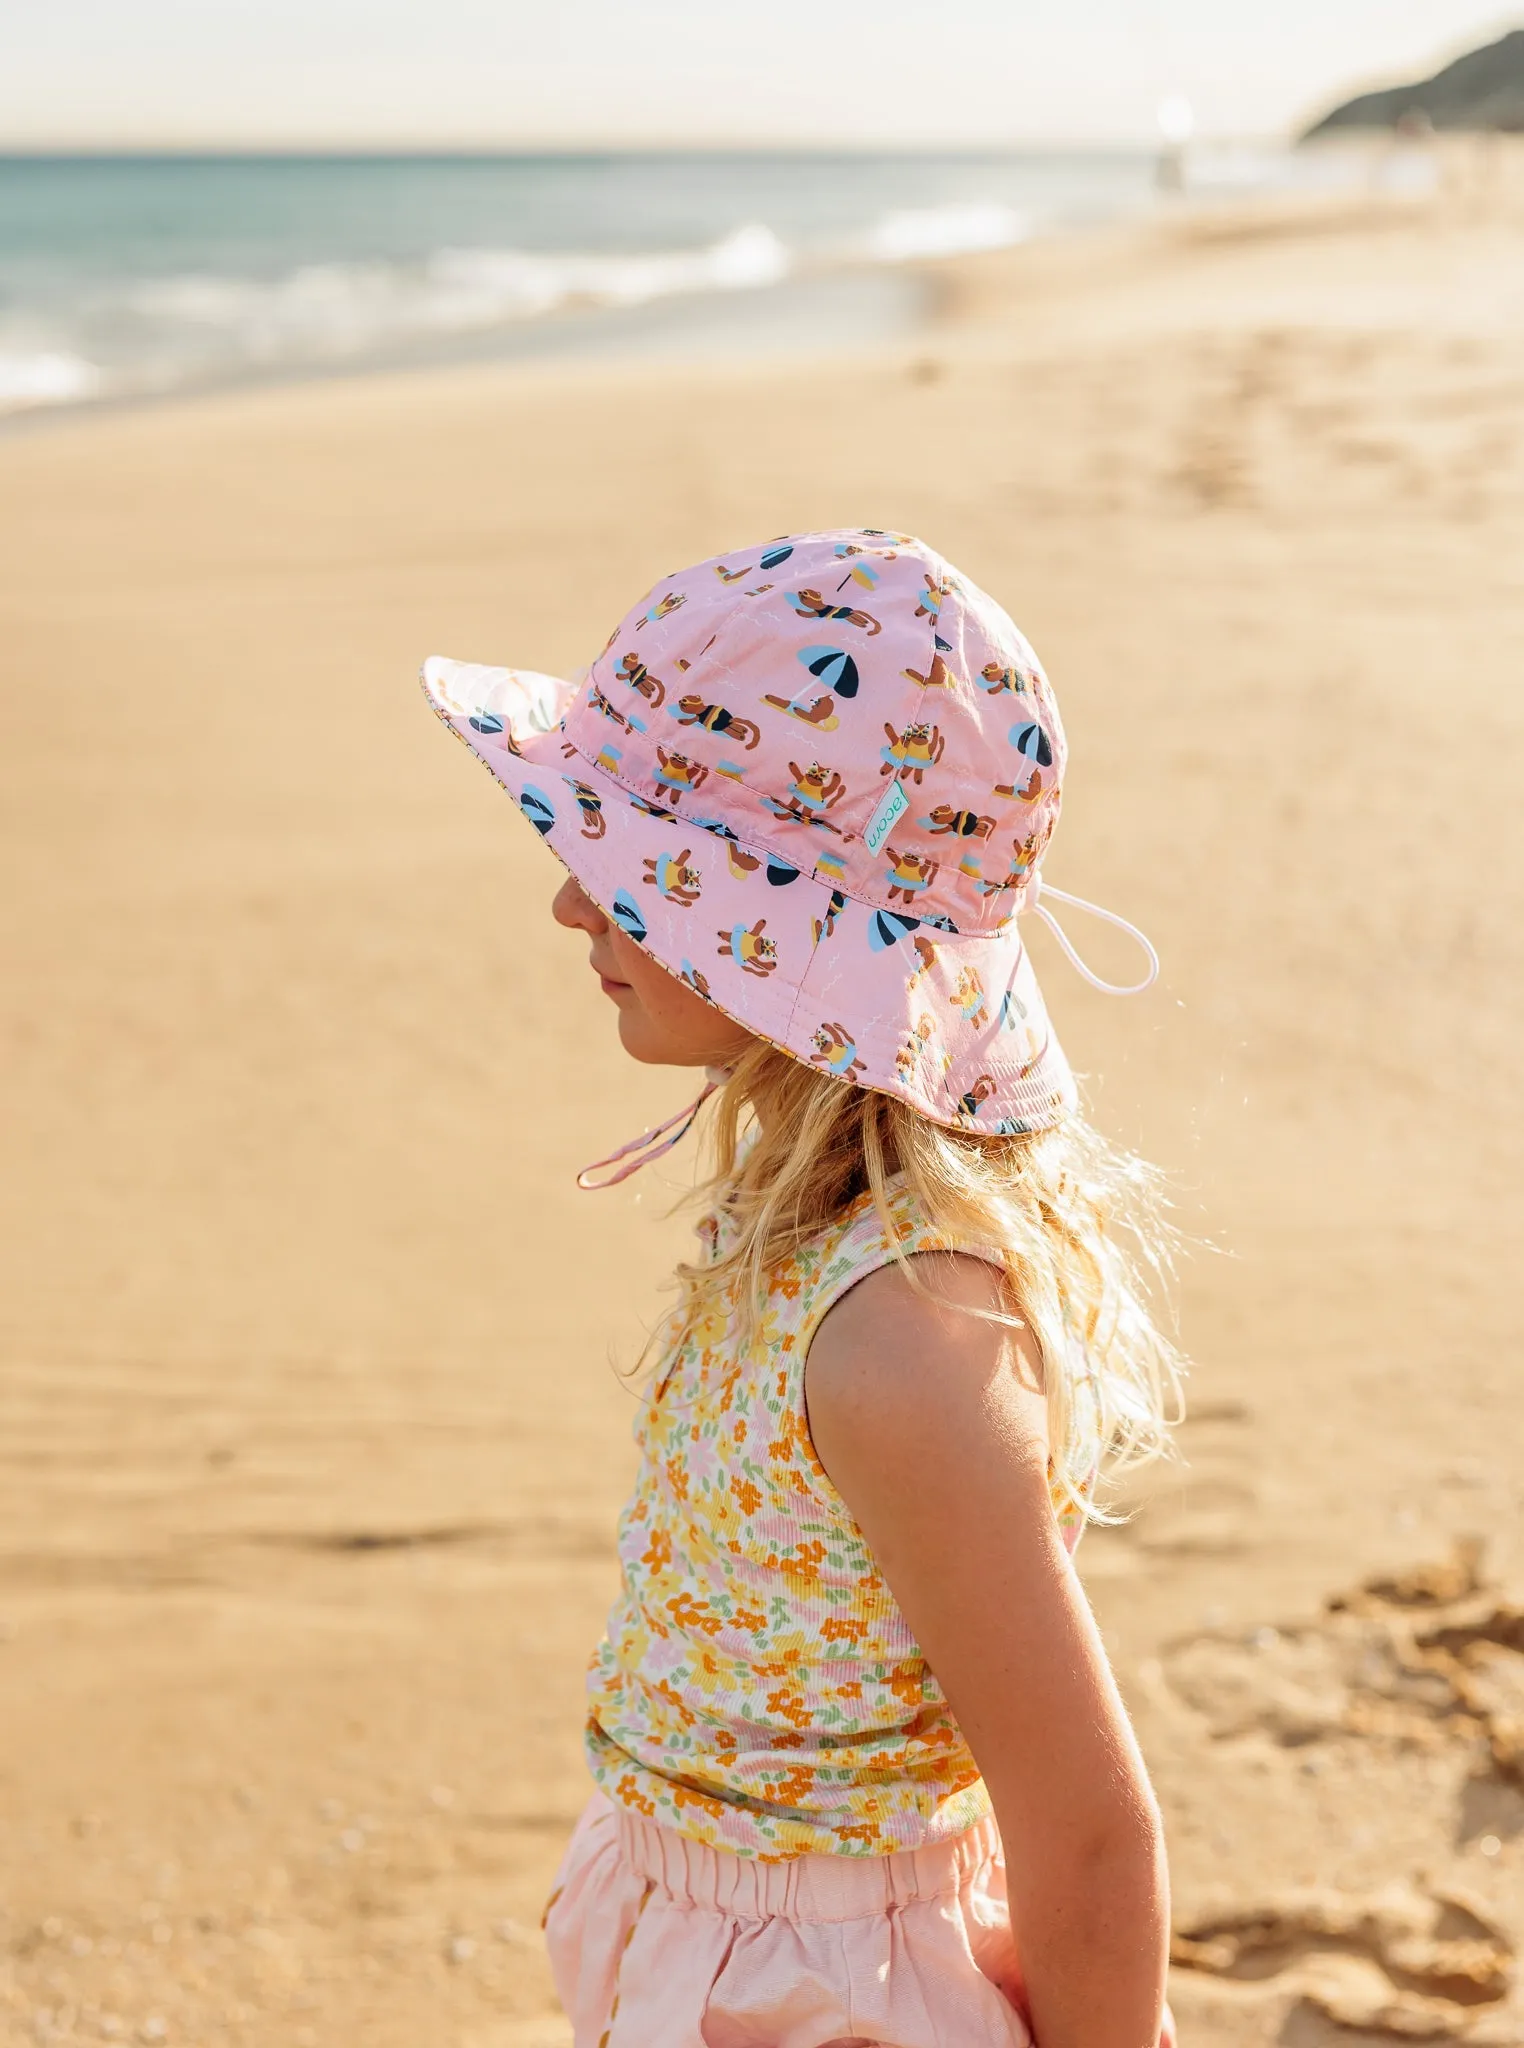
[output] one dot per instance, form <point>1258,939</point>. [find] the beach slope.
<point>313,1425</point>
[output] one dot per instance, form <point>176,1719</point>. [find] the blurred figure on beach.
<point>1177,124</point>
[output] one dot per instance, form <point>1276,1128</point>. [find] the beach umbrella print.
<point>626,914</point>
<point>1033,742</point>
<point>538,809</point>
<point>834,667</point>
<point>886,928</point>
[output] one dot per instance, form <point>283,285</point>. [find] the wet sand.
<point>311,1427</point>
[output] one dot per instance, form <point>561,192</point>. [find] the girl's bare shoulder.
<point>905,1365</point>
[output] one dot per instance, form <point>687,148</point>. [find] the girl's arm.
<point>930,1424</point>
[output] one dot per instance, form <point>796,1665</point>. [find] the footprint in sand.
<point>1431,1659</point>
<point>1398,1964</point>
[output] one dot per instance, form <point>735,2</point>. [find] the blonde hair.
<point>1079,1226</point>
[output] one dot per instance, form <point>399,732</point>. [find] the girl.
<point>863,1775</point>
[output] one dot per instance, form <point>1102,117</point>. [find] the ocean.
<point>131,277</point>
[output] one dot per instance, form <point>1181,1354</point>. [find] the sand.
<point>311,1426</point>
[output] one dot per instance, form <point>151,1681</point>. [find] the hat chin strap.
<point>629,1159</point>
<point>1039,888</point>
<point>641,1151</point>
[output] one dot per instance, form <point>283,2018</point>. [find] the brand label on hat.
<point>892,805</point>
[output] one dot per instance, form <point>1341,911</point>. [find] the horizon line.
<point>12,150</point>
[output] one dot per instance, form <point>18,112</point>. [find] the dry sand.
<point>311,1444</point>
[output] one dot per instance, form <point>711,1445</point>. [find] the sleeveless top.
<point>757,1688</point>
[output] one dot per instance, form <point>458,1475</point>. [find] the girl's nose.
<point>575,909</point>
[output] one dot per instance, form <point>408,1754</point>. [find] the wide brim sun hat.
<point>815,779</point>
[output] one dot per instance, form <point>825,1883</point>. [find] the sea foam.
<point>46,377</point>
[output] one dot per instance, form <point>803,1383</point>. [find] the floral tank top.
<point>757,1687</point>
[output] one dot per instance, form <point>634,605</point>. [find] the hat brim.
<point>852,990</point>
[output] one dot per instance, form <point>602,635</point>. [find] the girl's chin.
<point>640,1038</point>
<point>646,1042</point>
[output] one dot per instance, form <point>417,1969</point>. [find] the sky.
<point>633,73</point>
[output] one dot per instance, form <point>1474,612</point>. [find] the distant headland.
<point>1482,90</point>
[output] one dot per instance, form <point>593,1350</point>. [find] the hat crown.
<point>843,704</point>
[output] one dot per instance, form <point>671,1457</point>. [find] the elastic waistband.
<point>808,1888</point>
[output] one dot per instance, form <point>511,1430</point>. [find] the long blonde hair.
<point>1080,1227</point>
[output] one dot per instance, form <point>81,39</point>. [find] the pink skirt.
<point>659,1942</point>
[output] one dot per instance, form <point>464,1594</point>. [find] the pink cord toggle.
<point>647,1147</point>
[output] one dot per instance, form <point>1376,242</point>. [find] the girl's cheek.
<point>629,962</point>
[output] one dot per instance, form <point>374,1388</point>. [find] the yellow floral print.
<point>757,1687</point>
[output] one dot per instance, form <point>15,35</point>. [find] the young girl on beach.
<point>863,1775</point>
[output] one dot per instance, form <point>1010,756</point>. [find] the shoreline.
<point>860,307</point>
<point>829,301</point>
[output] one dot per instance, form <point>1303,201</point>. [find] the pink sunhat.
<point>814,779</point>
